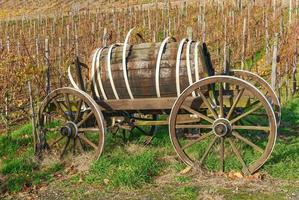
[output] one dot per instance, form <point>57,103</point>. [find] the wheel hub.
<point>69,129</point>
<point>221,127</point>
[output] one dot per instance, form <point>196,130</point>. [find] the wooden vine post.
<point>48,83</point>
<point>7,112</point>
<point>294,72</point>
<point>34,134</point>
<point>274,62</point>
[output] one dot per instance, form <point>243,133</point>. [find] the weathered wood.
<point>274,62</point>
<point>244,41</point>
<point>7,112</point>
<point>48,82</point>
<point>141,68</point>
<point>34,133</point>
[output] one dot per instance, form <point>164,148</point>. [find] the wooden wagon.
<point>224,118</point>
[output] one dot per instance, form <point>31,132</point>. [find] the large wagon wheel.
<point>70,121</point>
<point>224,143</point>
<point>264,87</point>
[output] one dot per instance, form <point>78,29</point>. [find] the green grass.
<point>250,195</point>
<point>121,169</point>
<point>284,162</point>
<point>17,161</point>
<point>185,192</point>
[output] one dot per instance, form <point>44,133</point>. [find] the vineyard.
<point>32,47</point>
<point>41,41</point>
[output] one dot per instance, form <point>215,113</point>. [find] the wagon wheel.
<point>70,121</point>
<point>264,87</point>
<point>224,143</point>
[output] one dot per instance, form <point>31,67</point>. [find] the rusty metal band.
<point>74,84</point>
<point>178,63</point>
<point>99,73</point>
<point>158,63</point>
<point>109,70</point>
<point>93,74</point>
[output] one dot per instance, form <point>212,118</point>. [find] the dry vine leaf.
<point>186,170</point>
<point>235,175</point>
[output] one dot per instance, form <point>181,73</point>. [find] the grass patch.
<point>185,192</point>
<point>121,169</point>
<point>17,161</point>
<point>284,162</point>
<point>251,195</point>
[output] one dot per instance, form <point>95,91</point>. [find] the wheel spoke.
<point>208,150</point>
<point>80,144</point>
<point>85,139</point>
<point>67,98</point>
<point>221,151</point>
<point>58,106</point>
<point>84,119</point>
<point>247,141</point>
<point>197,113</point>
<point>202,137</point>
<point>257,128</point>
<point>258,106</point>
<point>205,100</point>
<point>235,103</point>
<point>65,147</point>
<point>74,146</point>
<point>53,129</point>
<point>194,126</point>
<point>238,155</point>
<point>221,100</point>
<point>56,141</point>
<point>78,112</point>
<point>80,130</point>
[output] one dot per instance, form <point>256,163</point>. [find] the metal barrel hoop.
<point>196,61</point>
<point>93,72</point>
<point>178,63</point>
<point>109,68</point>
<point>98,69</point>
<point>158,63</point>
<point>124,61</point>
<point>73,83</point>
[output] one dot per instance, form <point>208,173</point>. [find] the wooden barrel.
<point>141,66</point>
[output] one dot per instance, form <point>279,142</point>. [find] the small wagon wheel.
<point>70,121</point>
<point>264,87</point>
<point>224,143</point>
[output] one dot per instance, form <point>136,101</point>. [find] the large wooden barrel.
<point>141,66</point>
